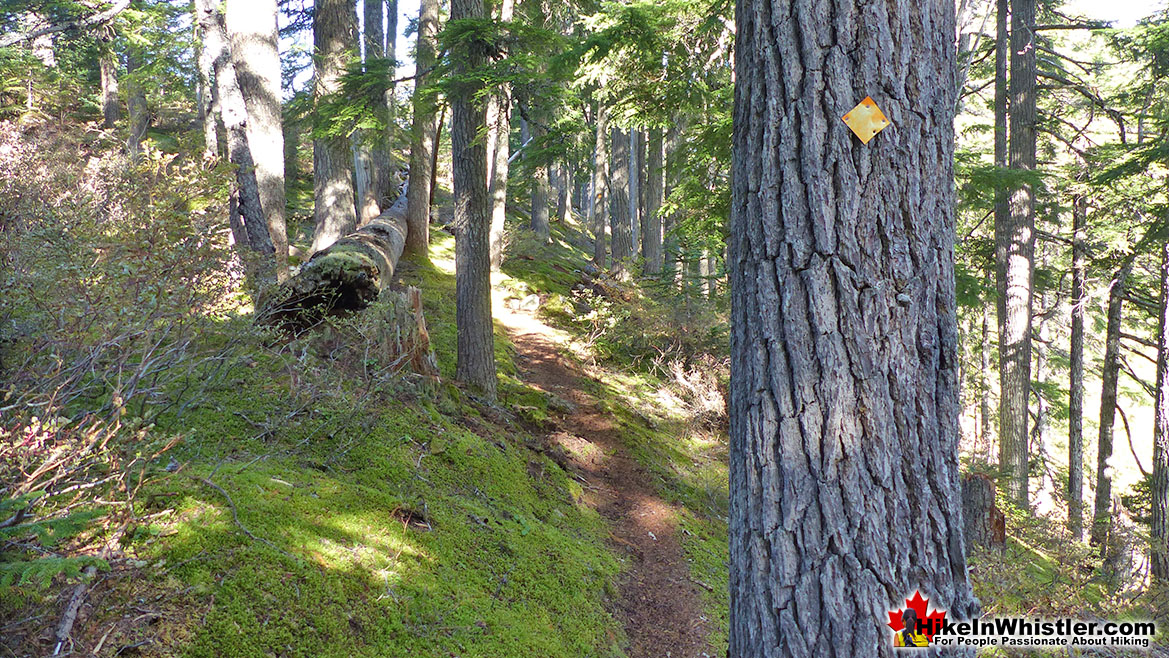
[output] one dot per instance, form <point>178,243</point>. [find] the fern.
<point>18,567</point>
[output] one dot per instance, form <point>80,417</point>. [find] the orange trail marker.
<point>866,119</point>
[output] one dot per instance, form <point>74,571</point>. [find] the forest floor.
<point>659,605</point>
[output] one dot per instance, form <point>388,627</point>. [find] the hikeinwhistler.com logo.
<point>917,625</point>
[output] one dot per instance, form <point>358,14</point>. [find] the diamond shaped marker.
<point>866,119</point>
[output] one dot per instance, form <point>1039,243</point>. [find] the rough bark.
<point>499,152</point>
<point>620,227</point>
<point>540,191</point>
<point>634,193</point>
<point>984,436</point>
<point>844,475</point>
<point>1159,529</point>
<point>110,110</point>
<point>334,38</point>
<point>254,52</point>
<point>563,192</point>
<point>383,151</point>
<point>655,191</point>
<point>1076,378</point>
<point>366,174</point>
<point>208,101</point>
<point>597,220</point>
<point>347,275</point>
<point>1110,370</point>
<point>984,524</point>
<point>424,134</point>
<point>476,342</point>
<point>137,111</point>
<point>1015,245</point>
<point>234,114</point>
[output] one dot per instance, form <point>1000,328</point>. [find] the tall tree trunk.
<point>334,38</point>
<point>208,98</point>
<point>563,192</point>
<point>634,193</point>
<point>1110,370</point>
<point>984,386</point>
<point>1159,530</point>
<point>620,227</point>
<point>597,221</point>
<point>254,51</point>
<point>424,134</point>
<point>539,223</point>
<point>109,83</point>
<point>476,342</point>
<point>137,111</point>
<point>383,151</point>
<point>844,482</point>
<point>655,190</point>
<point>367,173</point>
<point>234,114</point>
<point>1015,245</point>
<point>1076,378</point>
<point>499,152</point>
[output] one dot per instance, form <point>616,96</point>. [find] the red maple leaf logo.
<point>931,623</point>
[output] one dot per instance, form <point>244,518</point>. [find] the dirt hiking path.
<point>659,606</point>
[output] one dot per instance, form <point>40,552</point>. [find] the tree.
<point>334,37</point>
<point>499,151</point>
<point>205,98</point>
<point>540,193</point>
<point>600,182</point>
<point>109,79</point>
<point>843,402</point>
<point>1110,372</point>
<point>476,340</point>
<point>1015,242</point>
<point>424,134</point>
<point>1159,531</point>
<point>620,222</point>
<point>651,241</point>
<point>234,113</point>
<point>366,170</point>
<point>254,51</point>
<point>1076,376</point>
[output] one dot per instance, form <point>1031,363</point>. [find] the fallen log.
<point>347,276</point>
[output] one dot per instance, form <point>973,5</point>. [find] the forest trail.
<point>659,607</point>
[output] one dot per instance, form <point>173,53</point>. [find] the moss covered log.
<point>347,276</point>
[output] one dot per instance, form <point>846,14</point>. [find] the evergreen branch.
<point>100,17</point>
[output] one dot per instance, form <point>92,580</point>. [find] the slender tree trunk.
<point>383,151</point>
<point>334,38</point>
<point>655,190</point>
<point>1101,517</point>
<point>984,386</point>
<point>424,135</point>
<point>254,39</point>
<point>208,101</point>
<point>563,192</point>
<point>476,342</point>
<point>109,84</point>
<point>600,183</point>
<point>1076,378</point>
<point>1015,244</point>
<point>368,173</point>
<point>499,153</point>
<point>620,226</point>
<point>844,475</point>
<point>1159,529</point>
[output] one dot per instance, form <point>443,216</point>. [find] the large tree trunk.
<point>540,194</point>
<point>499,153</point>
<point>1015,244</point>
<point>109,83</point>
<point>383,161</point>
<point>620,227</point>
<point>1110,370</point>
<point>334,37</point>
<point>476,340</point>
<point>1076,378</point>
<point>424,134</point>
<point>207,100</point>
<point>844,481</point>
<point>1159,530</point>
<point>347,275</point>
<point>597,221</point>
<point>254,51</point>
<point>234,113</point>
<point>634,192</point>
<point>655,191</point>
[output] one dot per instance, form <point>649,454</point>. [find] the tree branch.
<point>100,17</point>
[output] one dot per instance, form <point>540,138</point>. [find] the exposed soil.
<point>659,607</point>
